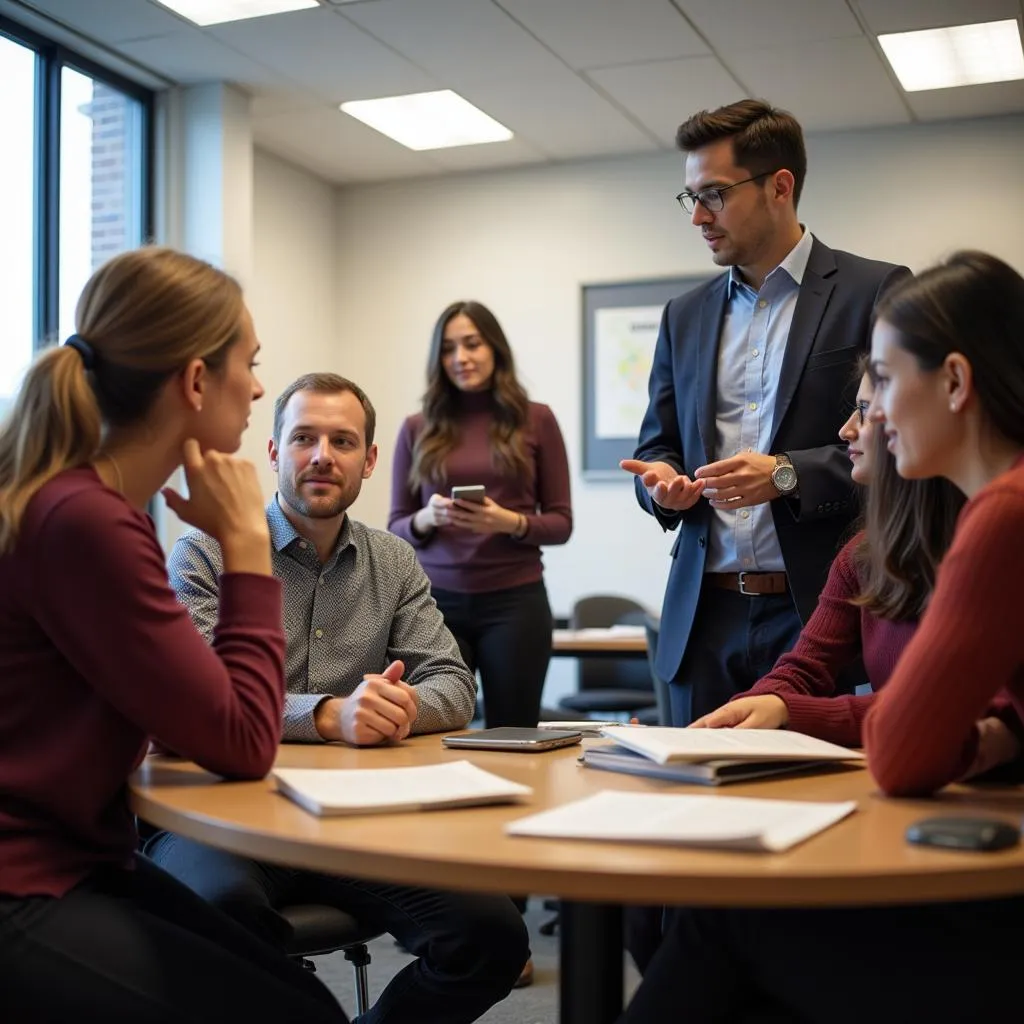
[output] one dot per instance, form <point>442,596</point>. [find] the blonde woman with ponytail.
<point>97,657</point>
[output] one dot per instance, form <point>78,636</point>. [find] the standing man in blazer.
<point>751,381</point>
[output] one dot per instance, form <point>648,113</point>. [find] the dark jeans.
<point>734,641</point>
<point>130,946</point>
<point>506,634</point>
<point>951,963</point>
<point>471,948</point>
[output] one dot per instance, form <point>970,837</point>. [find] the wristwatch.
<point>784,476</point>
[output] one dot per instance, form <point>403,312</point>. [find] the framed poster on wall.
<point>620,328</point>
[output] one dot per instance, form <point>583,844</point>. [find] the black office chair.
<point>663,711</point>
<point>318,930</point>
<point>611,685</point>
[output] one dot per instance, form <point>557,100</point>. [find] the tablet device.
<point>508,738</point>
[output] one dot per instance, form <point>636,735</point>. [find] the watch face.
<point>784,478</point>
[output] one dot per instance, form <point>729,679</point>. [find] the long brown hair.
<point>908,527</point>
<point>142,316</point>
<point>511,405</point>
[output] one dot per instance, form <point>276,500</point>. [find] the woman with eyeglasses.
<point>97,656</point>
<point>947,356</point>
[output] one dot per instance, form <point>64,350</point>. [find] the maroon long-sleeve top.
<point>96,657</point>
<point>836,634</point>
<point>920,734</point>
<point>467,562</point>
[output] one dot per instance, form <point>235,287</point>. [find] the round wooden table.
<point>862,860</point>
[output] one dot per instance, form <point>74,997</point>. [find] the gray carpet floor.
<point>537,1004</point>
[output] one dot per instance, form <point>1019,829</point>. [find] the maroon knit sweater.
<point>96,657</point>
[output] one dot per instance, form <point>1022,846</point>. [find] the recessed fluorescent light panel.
<point>942,58</point>
<point>429,120</point>
<point>216,12</point>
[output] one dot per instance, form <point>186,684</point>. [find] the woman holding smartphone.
<point>477,427</point>
<point>97,656</point>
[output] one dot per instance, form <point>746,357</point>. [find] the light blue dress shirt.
<point>750,352</point>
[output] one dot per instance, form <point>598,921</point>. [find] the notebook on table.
<point>712,822</point>
<point>665,745</point>
<point>331,791</point>
<point>615,758</point>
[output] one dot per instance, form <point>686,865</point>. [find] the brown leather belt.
<point>753,584</point>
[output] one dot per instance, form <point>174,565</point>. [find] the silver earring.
<point>952,406</point>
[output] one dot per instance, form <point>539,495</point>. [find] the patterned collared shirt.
<point>367,605</point>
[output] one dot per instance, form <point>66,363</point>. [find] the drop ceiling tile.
<point>969,101</point>
<point>599,33</point>
<point>838,83</point>
<point>111,21</point>
<point>732,25</point>
<point>561,114</point>
<point>908,15</point>
<point>326,53</point>
<point>337,147</point>
<point>189,56</point>
<point>460,42</point>
<point>664,94</point>
<point>514,152</point>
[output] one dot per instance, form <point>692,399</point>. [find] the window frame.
<point>52,59</point>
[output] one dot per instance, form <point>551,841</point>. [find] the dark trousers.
<point>734,641</point>
<point>952,963</point>
<point>470,948</point>
<point>506,635</point>
<point>130,946</point>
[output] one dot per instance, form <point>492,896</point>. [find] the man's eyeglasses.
<point>862,410</point>
<point>713,199</point>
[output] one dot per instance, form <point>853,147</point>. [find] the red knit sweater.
<point>96,656</point>
<point>834,636</point>
<point>920,734</point>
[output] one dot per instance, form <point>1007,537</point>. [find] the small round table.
<point>862,860</point>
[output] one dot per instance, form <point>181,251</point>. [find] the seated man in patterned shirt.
<point>369,660</point>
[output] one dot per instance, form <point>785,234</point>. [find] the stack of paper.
<point>711,756</point>
<point>327,791</point>
<point>721,822</point>
<point>665,745</point>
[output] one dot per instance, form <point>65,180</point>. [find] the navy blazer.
<point>830,329</point>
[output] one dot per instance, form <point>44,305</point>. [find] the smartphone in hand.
<point>474,493</point>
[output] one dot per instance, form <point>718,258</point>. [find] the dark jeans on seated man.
<point>471,947</point>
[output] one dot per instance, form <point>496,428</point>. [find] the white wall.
<point>523,242</point>
<point>292,295</point>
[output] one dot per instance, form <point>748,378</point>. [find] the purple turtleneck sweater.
<point>467,562</point>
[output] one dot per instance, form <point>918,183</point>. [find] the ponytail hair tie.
<point>84,349</point>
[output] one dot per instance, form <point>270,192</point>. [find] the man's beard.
<point>320,508</point>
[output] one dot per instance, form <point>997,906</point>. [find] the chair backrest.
<point>610,673</point>
<point>652,627</point>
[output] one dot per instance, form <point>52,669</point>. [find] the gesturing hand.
<point>671,490</point>
<point>737,482</point>
<point>764,711</point>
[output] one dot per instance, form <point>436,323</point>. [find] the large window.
<point>75,184</point>
<point>17,185</point>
